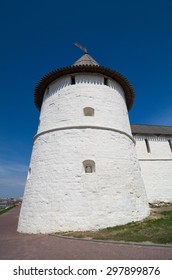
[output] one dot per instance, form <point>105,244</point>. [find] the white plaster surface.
<point>59,195</point>
<point>156,167</point>
<point>64,104</point>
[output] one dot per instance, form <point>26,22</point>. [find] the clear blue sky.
<point>132,37</point>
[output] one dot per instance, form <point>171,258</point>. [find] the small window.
<point>29,173</point>
<point>89,166</point>
<point>88,111</point>
<point>72,80</point>
<point>47,92</point>
<point>170,144</point>
<point>147,145</point>
<point>106,81</point>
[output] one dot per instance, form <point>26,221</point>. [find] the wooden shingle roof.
<point>86,59</point>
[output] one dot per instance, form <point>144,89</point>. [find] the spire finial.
<point>81,47</point>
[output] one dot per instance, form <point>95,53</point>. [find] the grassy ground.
<point>2,211</point>
<point>157,228</point>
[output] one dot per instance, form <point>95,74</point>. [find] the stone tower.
<point>84,172</point>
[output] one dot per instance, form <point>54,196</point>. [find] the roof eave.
<point>52,76</point>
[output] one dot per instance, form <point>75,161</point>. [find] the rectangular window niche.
<point>147,146</point>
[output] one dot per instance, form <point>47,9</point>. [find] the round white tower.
<point>84,172</point>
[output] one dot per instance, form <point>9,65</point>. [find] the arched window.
<point>89,166</point>
<point>88,111</point>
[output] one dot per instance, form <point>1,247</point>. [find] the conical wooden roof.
<point>86,59</point>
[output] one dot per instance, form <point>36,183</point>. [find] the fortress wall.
<point>60,196</point>
<point>156,167</point>
<point>64,103</point>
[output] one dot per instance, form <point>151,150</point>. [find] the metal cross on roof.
<point>81,47</point>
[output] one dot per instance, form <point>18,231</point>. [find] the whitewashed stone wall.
<point>156,167</point>
<point>59,195</point>
<point>64,104</point>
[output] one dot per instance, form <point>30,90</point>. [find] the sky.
<point>129,36</point>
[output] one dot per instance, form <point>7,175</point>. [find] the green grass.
<point>2,211</point>
<point>154,230</point>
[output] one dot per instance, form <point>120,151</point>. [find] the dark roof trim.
<point>52,76</point>
<point>151,129</point>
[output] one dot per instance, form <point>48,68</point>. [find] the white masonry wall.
<point>59,195</point>
<point>156,167</point>
<point>64,104</point>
